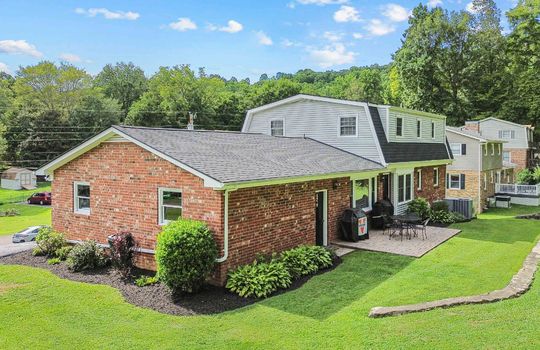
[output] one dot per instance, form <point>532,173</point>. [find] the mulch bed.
<point>210,300</point>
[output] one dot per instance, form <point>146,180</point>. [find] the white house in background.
<point>18,178</point>
<point>410,144</point>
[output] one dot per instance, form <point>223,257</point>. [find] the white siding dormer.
<point>431,126</point>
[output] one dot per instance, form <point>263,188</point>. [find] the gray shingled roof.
<point>237,157</point>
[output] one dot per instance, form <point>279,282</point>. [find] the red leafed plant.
<point>122,252</point>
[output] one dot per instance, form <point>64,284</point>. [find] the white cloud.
<point>69,57</point>
<point>358,35</point>
<point>434,3</point>
<point>4,68</point>
<point>231,27</point>
<point>395,12</point>
<point>107,14</point>
<point>287,43</point>
<point>346,14</point>
<point>322,2</point>
<point>263,38</point>
<point>332,36</point>
<point>378,28</point>
<point>333,55</point>
<point>183,24</point>
<point>19,47</point>
<point>470,8</point>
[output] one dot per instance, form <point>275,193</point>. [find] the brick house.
<point>410,144</point>
<point>478,166</point>
<point>257,193</point>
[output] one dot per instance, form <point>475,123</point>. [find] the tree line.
<point>455,63</point>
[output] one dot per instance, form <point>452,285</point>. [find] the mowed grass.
<point>14,196</point>
<point>30,215</point>
<point>328,312</point>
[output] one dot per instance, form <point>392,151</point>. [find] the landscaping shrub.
<point>259,279</point>
<point>86,256</point>
<point>50,241</point>
<point>144,281</point>
<point>54,261</point>
<point>122,251</point>
<point>528,176</point>
<point>458,217</point>
<point>305,260</point>
<point>185,254</point>
<point>420,207</point>
<point>10,212</point>
<point>439,206</point>
<point>62,253</point>
<point>37,252</point>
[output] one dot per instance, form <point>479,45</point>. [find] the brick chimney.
<point>472,125</point>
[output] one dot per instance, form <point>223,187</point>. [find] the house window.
<point>399,126</point>
<point>455,148</point>
<point>454,181</point>
<point>81,197</point>
<point>347,126</point>
<point>404,188</point>
<point>418,128</point>
<point>170,205</point>
<point>364,193</point>
<point>435,176</point>
<point>432,130</point>
<point>507,134</point>
<point>506,156</point>
<point>419,176</point>
<point>276,127</point>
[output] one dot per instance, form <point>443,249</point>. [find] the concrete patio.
<point>415,247</point>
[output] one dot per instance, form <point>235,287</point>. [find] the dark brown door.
<point>386,186</point>
<point>319,218</point>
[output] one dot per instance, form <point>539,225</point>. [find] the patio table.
<point>408,222</point>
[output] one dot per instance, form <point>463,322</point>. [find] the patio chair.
<point>396,227</point>
<point>387,224</point>
<point>423,228</point>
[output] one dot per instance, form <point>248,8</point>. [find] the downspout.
<point>225,228</point>
<point>480,177</point>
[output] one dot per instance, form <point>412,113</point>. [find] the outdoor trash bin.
<point>354,225</point>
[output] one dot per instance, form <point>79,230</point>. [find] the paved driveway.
<point>8,248</point>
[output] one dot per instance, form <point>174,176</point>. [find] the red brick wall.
<point>520,157</point>
<point>428,189</point>
<point>124,181</point>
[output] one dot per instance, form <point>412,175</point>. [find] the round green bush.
<point>86,256</point>
<point>49,241</point>
<point>185,254</point>
<point>419,206</point>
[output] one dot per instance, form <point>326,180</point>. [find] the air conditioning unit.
<point>463,206</point>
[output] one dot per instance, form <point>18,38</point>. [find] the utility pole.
<point>191,122</point>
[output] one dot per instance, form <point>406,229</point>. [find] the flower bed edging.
<point>520,283</point>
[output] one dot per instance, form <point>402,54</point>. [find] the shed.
<point>18,178</point>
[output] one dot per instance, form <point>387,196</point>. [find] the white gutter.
<point>225,227</point>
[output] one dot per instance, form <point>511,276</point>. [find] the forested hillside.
<point>458,64</point>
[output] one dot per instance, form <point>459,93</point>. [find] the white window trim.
<point>402,126</point>
<point>509,156</point>
<point>339,126</point>
<point>491,176</point>
<point>418,123</point>
<point>405,200</point>
<point>450,181</point>
<point>76,208</point>
<point>460,148</point>
<point>370,189</point>
<point>275,120</point>
<point>161,220</point>
<point>435,177</point>
<point>419,173</point>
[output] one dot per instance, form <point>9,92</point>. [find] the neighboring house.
<point>519,143</point>
<point>18,178</point>
<point>478,165</point>
<point>410,144</point>
<point>258,194</point>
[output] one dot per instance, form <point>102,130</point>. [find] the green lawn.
<point>14,196</point>
<point>30,215</point>
<point>329,312</point>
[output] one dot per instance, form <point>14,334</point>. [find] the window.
<point>506,156</point>
<point>507,134</point>
<point>492,149</point>
<point>418,128</point>
<point>419,177</point>
<point>404,188</point>
<point>435,176</point>
<point>170,205</point>
<point>399,126</point>
<point>81,197</point>
<point>454,182</point>
<point>458,149</point>
<point>347,126</point>
<point>432,130</point>
<point>364,193</point>
<point>276,127</point>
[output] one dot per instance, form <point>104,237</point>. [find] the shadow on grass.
<point>328,293</point>
<point>499,229</point>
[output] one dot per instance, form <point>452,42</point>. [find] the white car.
<point>27,235</point>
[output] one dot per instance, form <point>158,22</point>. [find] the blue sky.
<point>230,38</point>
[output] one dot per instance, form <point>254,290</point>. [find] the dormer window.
<point>399,126</point>
<point>418,128</point>
<point>347,126</point>
<point>432,130</point>
<point>276,127</point>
